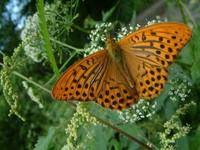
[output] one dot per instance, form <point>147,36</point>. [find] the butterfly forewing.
<point>82,80</point>
<point>153,48</point>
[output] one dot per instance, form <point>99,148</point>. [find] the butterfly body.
<point>127,70</point>
<point>114,50</point>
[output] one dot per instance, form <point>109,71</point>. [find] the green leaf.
<point>195,140</point>
<point>133,19</point>
<point>195,73</point>
<point>182,144</point>
<point>114,144</point>
<point>195,47</point>
<point>186,56</point>
<point>127,8</point>
<point>135,131</point>
<point>108,14</point>
<point>44,141</point>
<point>102,136</point>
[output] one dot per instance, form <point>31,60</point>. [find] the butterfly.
<point>127,70</point>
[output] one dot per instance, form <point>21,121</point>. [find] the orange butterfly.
<point>125,71</point>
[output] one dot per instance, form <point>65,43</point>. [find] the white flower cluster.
<point>180,90</point>
<point>57,23</point>
<point>80,117</point>
<point>32,39</point>
<point>124,31</point>
<point>142,110</point>
<point>157,20</point>
<point>99,34</point>
<point>137,26</point>
<point>98,37</point>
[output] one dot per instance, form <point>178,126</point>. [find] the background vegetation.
<point>39,40</point>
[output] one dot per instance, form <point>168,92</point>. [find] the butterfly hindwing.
<point>116,93</point>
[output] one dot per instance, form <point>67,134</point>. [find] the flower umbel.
<point>142,110</point>
<point>180,90</point>
<point>98,37</point>
<point>60,20</point>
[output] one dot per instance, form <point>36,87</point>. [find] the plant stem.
<point>62,67</point>
<point>45,35</point>
<point>31,81</point>
<point>80,29</point>
<point>66,45</point>
<point>124,133</point>
<point>188,13</point>
<point>182,11</point>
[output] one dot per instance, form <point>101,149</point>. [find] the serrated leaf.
<point>44,141</point>
<point>102,136</point>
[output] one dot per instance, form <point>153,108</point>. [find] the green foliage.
<point>9,92</point>
<point>61,33</point>
<point>45,37</point>
<point>194,143</point>
<point>44,142</point>
<point>173,129</point>
<point>80,118</point>
<point>195,47</point>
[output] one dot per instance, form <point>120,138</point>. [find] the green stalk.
<point>45,36</point>
<point>66,45</point>
<point>182,11</point>
<point>81,29</point>
<point>188,13</point>
<point>62,67</point>
<point>31,81</point>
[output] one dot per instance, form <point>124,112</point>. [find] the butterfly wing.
<point>82,81</point>
<point>96,77</point>
<point>116,92</point>
<point>149,51</point>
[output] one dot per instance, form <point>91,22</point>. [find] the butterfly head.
<point>113,48</point>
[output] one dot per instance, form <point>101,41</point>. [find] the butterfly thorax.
<point>113,49</point>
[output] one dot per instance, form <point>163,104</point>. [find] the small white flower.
<point>180,89</point>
